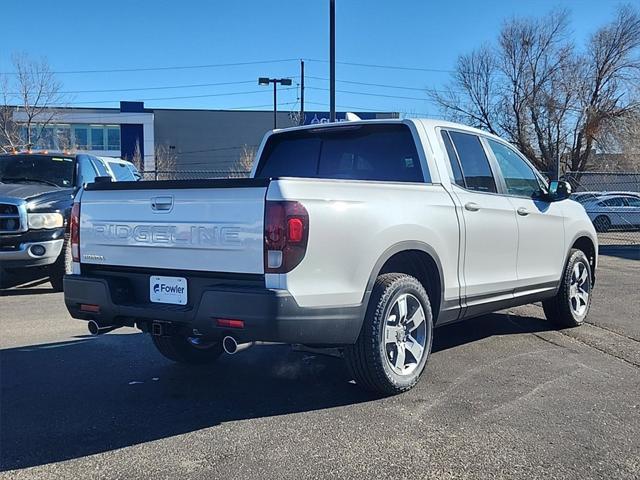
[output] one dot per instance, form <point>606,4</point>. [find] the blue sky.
<point>118,34</point>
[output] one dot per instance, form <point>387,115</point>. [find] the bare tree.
<point>472,97</point>
<point>621,142</point>
<point>537,90</point>
<point>611,70</point>
<point>244,164</point>
<point>30,95</point>
<point>136,158</point>
<point>166,159</point>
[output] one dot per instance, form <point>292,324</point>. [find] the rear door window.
<point>474,162</point>
<point>453,160</point>
<point>353,152</point>
<point>612,202</point>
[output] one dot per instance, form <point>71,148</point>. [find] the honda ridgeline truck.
<point>358,235</point>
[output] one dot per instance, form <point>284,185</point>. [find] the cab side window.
<point>473,162</point>
<point>519,177</point>
<point>100,167</point>
<point>86,171</point>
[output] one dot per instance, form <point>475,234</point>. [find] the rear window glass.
<point>354,152</point>
<point>122,172</point>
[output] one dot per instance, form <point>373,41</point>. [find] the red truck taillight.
<point>286,232</point>
<point>74,230</point>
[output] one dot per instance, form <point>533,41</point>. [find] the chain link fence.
<point>612,201</point>
<point>193,174</point>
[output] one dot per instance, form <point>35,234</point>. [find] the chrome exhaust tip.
<point>231,346</point>
<point>96,329</point>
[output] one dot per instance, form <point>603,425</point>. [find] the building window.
<point>97,137</point>
<point>113,137</point>
<point>81,141</point>
<point>79,137</point>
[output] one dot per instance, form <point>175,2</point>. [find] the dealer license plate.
<point>168,290</point>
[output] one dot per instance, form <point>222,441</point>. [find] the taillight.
<point>74,230</point>
<point>286,232</point>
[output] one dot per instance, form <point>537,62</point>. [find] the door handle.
<point>523,212</point>
<point>472,206</point>
<point>162,204</point>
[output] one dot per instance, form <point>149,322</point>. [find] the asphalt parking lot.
<point>504,396</point>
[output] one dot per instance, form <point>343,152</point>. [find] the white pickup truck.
<point>361,235</point>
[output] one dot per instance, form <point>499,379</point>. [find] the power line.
<point>167,87</point>
<point>368,109</point>
<point>390,67</point>
<point>213,149</point>
<point>60,120</point>
<point>173,67</point>
<point>175,98</point>
<point>371,94</point>
<point>386,85</point>
<point>400,87</point>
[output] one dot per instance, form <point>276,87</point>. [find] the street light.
<point>275,81</point>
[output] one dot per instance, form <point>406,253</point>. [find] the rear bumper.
<point>22,255</point>
<point>268,315</point>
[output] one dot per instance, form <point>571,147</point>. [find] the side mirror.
<point>559,190</point>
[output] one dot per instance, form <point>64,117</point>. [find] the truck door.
<point>541,240</point>
<point>490,228</point>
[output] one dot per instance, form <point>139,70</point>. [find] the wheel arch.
<point>589,247</point>
<point>417,259</point>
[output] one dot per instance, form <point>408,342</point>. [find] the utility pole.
<point>301,92</point>
<point>275,105</point>
<point>332,60</point>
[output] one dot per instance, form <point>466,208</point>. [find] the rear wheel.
<point>190,350</point>
<point>602,223</point>
<point>395,341</point>
<point>571,304</point>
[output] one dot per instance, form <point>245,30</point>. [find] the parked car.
<point>361,235</point>
<point>614,212</point>
<point>121,170</point>
<point>582,197</point>
<point>36,194</point>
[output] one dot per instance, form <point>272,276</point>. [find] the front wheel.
<point>395,341</point>
<point>190,350</point>
<point>571,304</point>
<point>63,265</point>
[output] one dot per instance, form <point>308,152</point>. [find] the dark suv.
<point>36,194</point>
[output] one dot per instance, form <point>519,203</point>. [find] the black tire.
<point>602,223</point>
<point>368,359</point>
<point>560,310</point>
<point>180,349</point>
<point>63,265</point>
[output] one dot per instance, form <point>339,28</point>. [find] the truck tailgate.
<point>180,225</point>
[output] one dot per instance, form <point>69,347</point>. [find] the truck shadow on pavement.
<point>23,283</point>
<point>71,399</point>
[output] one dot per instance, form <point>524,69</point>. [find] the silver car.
<point>614,212</point>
